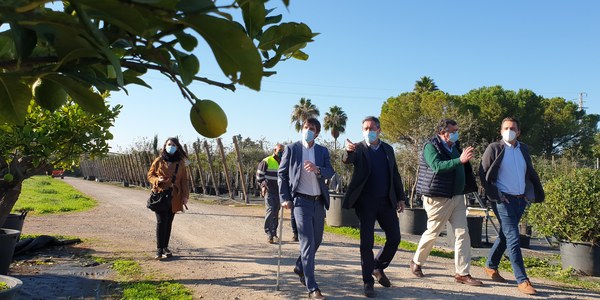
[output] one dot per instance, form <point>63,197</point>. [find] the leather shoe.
<point>369,290</point>
<point>416,269</point>
<point>300,274</point>
<point>381,278</point>
<point>494,275</point>
<point>316,294</point>
<point>467,279</point>
<point>526,288</point>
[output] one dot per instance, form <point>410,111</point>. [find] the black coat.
<point>361,161</point>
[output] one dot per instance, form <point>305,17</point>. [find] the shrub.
<point>571,211</point>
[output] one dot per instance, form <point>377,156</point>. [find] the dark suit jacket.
<point>291,166</point>
<point>362,169</point>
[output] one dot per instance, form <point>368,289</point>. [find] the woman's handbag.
<point>161,201</point>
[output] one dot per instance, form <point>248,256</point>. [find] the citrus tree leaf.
<point>130,18</point>
<point>25,40</point>
<point>232,48</point>
<point>187,41</point>
<point>188,66</point>
<point>131,77</point>
<point>87,99</point>
<point>195,6</point>
<point>14,99</point>
<point>254,14</point>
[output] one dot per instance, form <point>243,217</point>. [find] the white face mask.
<point>508,135</point>
<point>370,136</point>
<point>308,135</point>
<point>171,149</point>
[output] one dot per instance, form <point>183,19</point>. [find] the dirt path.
<point>221,253</point>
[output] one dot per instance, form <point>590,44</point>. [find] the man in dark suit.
<point>302,173</point>
<point>376,194</point>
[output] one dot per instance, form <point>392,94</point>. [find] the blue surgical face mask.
<point>308,135</point>
<point>454,137</point>
<point>171,149</point>
<point>370,136</point>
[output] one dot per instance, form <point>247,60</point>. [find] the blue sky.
<point>368,51</point>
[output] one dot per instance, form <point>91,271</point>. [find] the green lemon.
<point>8,177</point>
<point>48,94</point>
<point>208,118</point>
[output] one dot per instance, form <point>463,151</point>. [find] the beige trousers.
<point>439,211</point>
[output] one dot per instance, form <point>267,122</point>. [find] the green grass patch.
<point>354,233</point>
<point>46,195</point>
<point>137,287</point>
<point>57,236</point>
<point>549,268</point>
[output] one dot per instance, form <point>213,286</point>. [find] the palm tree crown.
<point>302,111</point>
<point>335,120</point>
<point>425,84</point>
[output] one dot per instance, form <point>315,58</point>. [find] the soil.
<point>221,252</point>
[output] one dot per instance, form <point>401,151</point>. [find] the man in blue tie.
<point>302,173</point>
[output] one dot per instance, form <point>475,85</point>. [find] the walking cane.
<point>280,238</point>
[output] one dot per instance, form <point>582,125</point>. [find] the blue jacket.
<point>291,166</point>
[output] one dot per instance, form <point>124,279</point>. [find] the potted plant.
<point>9,287</point>
<point>572,215</point>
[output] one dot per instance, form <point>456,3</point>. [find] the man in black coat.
<point>376,194</point>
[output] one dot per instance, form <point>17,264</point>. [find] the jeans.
<point>509,214</point>
<point>164,222</point>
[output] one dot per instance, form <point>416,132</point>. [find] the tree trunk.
<point>8,198</point>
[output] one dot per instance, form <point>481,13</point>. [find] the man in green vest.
<point>266,176</point>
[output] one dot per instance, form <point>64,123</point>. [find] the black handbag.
<point>161,201</point>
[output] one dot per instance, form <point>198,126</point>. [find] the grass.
<point>46,195</point>
<point>404,245</point>
<point>138,286</point>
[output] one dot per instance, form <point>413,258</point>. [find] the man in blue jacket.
<point>302,173</point>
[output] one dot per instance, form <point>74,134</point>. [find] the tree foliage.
<point>49,140</point>
<point>302,111</point>
<point>88,47</point>
<point>425,84</point>
<point>335,121</point>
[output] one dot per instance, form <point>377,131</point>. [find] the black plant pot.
<point>413,221</point>
<point>15,221</point>
<point>339,216</point>
<point>583,257</point>
<point>8,240</point>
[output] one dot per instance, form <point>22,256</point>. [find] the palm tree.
<point>302,111</point>
<point>425,84</point>
<point>335,120</point>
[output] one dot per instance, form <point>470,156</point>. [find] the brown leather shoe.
<point>415,269</point>
<point>316,294</point>
<point>494,275</point>
<point>382,278</point>
<point>467,279</point>
<point>526,288</point>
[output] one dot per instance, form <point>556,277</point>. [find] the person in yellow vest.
<point>266,176</point>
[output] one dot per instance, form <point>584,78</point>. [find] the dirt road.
<point>221,253</point>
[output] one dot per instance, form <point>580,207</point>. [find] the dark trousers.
<point>370,210</point>
<point>164,222</point>
<point>293,222</point>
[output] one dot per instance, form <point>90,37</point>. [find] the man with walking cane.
<point>302,172</point>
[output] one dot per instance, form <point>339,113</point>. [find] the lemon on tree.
<point>48,94</point>
<point>208,118</point>
<point>8,177</point>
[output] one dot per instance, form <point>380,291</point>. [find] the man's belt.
<point>521,196</point>
<point>315,198</point>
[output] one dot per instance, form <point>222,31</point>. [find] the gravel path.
<point>221,253</point>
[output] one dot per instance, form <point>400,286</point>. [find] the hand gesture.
<point>350,147</point>
<point>466,155</point>
<point>309,166</point>
<point>163,179</point>
<point>287,204</point>
<point>401,207</point>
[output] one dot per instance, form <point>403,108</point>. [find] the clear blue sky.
<point>368,51</point>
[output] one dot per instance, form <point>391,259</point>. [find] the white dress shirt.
<point>511,174</point>
<point>308,183</point>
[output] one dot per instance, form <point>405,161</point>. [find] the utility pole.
<point>581,100</point>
